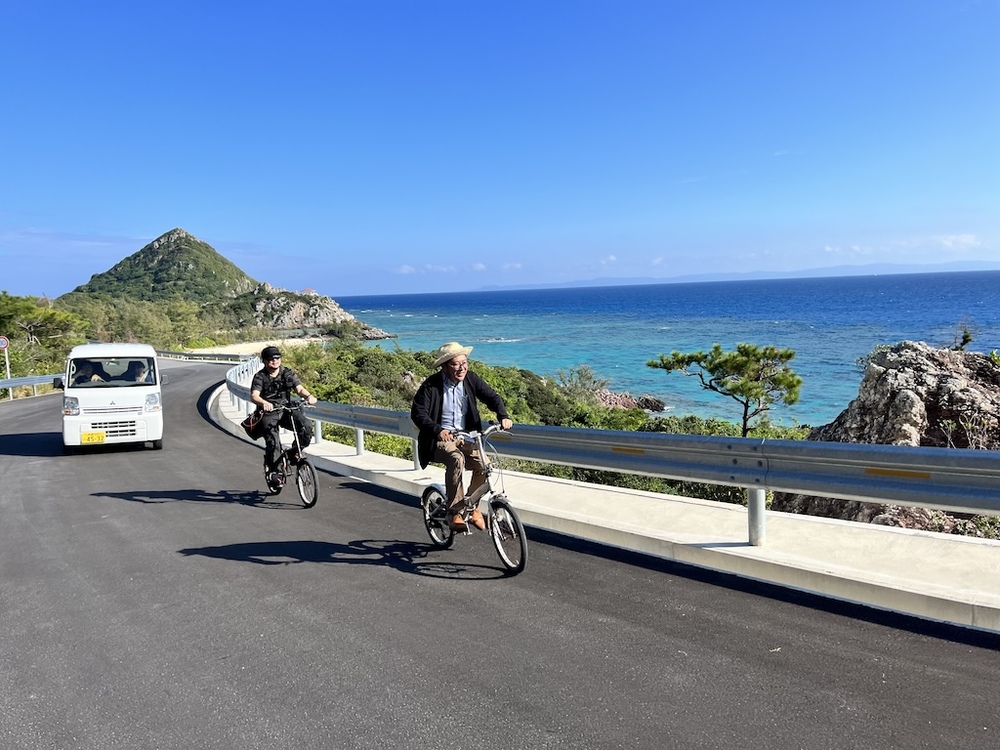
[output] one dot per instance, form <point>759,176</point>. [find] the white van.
<point>111,394</point>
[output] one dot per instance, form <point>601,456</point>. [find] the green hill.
<point>176,265</point>
<point>179,288</point>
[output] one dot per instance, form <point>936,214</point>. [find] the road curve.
<point>158,599</point>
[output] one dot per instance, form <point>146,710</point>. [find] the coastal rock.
<point>280,309</point>
<point>912,394</point>
<point>625,400</point>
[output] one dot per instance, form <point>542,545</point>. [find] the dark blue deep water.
<point>829,322</point>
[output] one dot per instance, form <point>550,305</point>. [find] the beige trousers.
<point>457,457</point>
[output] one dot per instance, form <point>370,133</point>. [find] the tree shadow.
<point>407,557</point>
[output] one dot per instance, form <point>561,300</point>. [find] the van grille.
<point>115,429</point>
<point>112,410</point>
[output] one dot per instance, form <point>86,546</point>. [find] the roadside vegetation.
<point>344,370</point>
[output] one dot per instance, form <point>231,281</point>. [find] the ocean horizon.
<point>830,322</point>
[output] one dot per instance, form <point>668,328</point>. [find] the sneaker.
<point>458,523</point>
<point>275,479</point>
<point>477,519</point>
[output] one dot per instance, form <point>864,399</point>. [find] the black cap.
<point>270,351</point>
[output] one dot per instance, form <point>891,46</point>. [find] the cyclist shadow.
<point>407,557</point>
<point>248,497</point>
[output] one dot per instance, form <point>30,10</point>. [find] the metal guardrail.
<point>27,380</point>
<point>953,480</point>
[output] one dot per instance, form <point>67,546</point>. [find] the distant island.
<point>874,269</point>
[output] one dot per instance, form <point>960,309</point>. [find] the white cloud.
<point>405,270</point>
<point>608,260</point>
<point>512,266</point>
<point>657,261</point>
<point>478,267</point>
<point>959,241</point>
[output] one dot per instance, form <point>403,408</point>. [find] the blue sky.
<point>381,147</point>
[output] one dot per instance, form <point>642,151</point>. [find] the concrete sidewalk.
<point>940,577</point>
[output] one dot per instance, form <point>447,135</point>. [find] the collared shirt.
<point>453,406</point>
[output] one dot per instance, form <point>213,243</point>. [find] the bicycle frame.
<point>305,473</point>
<point>489,466</point>
<point>502,524</point>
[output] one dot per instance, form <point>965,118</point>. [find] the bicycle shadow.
<point>406,557</point>
<point>257,498</point>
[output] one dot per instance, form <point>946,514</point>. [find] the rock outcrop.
<point>625,400</point>
<point>279,309</point>
<point>912,394</point>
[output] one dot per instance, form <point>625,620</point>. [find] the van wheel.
<point>157,445</point>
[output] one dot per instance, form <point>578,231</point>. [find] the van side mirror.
<point>57,383</point>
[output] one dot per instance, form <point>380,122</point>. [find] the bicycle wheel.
<point>508,536</point>
<point>305,480</point>
<point>436,518</point>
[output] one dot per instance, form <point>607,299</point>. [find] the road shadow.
<point>258,498</point>
<point>203,403</point>
<point>404,556</point>
<point>40,444</point>
<point>49,445</point>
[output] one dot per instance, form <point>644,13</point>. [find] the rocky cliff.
<point>279,309</point>
<point>913,394</point>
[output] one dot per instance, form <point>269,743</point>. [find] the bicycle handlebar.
<point>294,406</point>
<point>494,427</point>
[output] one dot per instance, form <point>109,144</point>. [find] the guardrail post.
<point>416,458</point>
<point>755,516</point>
<point>359,441</point>
<point>317,431</point>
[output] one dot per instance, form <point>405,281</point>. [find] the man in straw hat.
<point>448,403</point>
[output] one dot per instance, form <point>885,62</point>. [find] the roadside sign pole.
<point>4,344</point>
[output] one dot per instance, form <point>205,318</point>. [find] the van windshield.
<point>111,372</point>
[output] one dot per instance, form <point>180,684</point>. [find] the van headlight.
<point>71,406</point>
<point>152,402</point>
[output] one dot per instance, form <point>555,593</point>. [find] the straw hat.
<point>449,351</point>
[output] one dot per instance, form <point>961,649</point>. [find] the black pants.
<point>273,420</point>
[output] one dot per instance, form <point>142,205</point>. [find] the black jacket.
<point>429,401</point>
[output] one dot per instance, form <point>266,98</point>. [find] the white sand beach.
<point>254,347</point>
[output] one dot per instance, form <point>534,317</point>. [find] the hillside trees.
<point>756,377</point>
<point>39,334</point>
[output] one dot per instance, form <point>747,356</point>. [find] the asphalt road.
<point>158,599</point>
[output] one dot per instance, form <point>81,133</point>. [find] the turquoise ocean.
<point>829,322</point>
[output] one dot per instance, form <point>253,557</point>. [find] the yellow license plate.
<point>89,438</point>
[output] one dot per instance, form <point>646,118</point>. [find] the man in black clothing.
<point>447,403</point>
<point>272,387</point>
